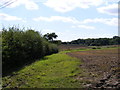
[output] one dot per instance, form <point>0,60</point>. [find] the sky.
<point>69,19</point>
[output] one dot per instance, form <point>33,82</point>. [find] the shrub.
<point>20,47</point>
<point>49,48</point>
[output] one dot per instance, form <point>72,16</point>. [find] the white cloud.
<point>29,4</point>
<point>7,17</point>
<point>44,31</point>
<point>83,26</point>
<point>57,18</point>
<point>111,21</point>
<point>109,9</point>
<point>64,19</point>
<point>68,5</point>
<point>113,0</point>
<point>107,21</point>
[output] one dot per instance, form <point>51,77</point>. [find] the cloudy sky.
<point>69,19</point>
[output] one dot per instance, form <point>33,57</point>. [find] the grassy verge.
<point>54,71</point>
<point>87,49</point>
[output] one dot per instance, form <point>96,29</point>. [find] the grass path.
<point>54,71</point>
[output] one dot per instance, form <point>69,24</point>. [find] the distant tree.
<point>58,42</point>
<point>50,36</point>
<point>116,40</point>
<point>96,41</point>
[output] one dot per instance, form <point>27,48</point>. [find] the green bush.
<point>49,48</point>
<point>20,47</point>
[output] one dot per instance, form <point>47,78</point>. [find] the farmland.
<point>101,67</point>
<point>80,67</point>
<point>59,44</point>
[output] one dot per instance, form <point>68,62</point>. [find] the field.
<point>72,67</point>
<point>101,67</point>
<point>74,47</point>
<point>71,47</point>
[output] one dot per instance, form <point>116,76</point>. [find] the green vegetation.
<point>75,50</point>
<point>50,36</point>
<point>54,71</point>
<point>23,47</point>
<point>20,46</point>
<point>90,48</point>
<point>96,42</point>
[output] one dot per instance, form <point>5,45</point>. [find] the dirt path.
<point>101,67</point>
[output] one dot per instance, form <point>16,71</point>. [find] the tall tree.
<point>50,36</point>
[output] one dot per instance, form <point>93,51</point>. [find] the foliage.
<point>58,42</point>
<point>53,71</point>
<point>22,46</point>
<point>96,42</point>
<point>50,36</point>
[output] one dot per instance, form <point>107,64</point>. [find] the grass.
<point>87,49</point>
<point>74,50</point>
<point>54,71</point>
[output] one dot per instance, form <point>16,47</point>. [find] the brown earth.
<point>63,47</point>
<point>101,68</point>
<point>70,47</point>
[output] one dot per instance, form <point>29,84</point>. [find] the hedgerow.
<point>23,46</point>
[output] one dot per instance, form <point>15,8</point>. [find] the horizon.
<point>90,38</point>
<point>69,19</point>
<point>58,36</point>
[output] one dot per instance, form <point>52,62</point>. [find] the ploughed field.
<point>101,69</point>
<point>71,47</point>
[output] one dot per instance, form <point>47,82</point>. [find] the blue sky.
<point>69,19</point>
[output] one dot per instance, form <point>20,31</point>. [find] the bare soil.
<point>101,68</point>
<point>70,47</point>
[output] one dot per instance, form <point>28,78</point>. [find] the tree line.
<point>20,46</point>
<point>96,42</point>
